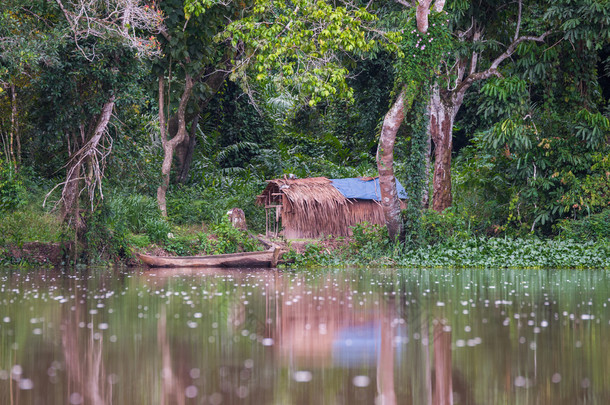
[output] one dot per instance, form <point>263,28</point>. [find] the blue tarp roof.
<point>364,189</point>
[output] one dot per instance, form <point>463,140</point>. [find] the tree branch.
<point>493,69</point>
<point>518,21</point>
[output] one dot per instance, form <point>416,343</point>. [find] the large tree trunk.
<point>385,164</point>
<point>184,150</point>
<point>425,198</point>
<point>70,208</point>
<point>391,123</point>
<point>169,145</point>
<point>442,115</point>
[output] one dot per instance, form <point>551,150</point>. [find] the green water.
<point>324,337</point>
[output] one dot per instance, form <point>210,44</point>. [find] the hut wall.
<point>317,221</point>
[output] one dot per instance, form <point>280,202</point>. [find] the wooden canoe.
<point>267,258</point>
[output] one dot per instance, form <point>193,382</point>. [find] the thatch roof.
<point>305,193</point>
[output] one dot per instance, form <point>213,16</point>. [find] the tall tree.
<point>484,45</point>
<point>106,36</point>
<point>191,71</point>
<point>79,55</point>
<point>413,79</point>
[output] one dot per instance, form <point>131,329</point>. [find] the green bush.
<point>449,225</point>
<point>593,227</point>
<point>224,238</point>
<point>135,211</point>
<point>12,191</point>
<point>105,238</point>
<point>180,246</point>
<point>198,204</point>
<point>369,241</point>
<point>157,229</point>
<point>138,241</point>
<point>313,255</point>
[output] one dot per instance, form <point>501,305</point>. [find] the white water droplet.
<point>302,376</point>
<point>26,384</point>
<point>76,398</point>
<point>361,381</point>
<point>190,391</point>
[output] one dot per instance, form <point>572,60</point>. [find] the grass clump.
<point>30,224</point>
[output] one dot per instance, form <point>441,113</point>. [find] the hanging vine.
<point>416,125</point>
<point>417,67</point>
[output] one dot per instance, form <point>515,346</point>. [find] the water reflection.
<point>330,337</point>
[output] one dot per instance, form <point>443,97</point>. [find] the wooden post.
<point>276,256</point>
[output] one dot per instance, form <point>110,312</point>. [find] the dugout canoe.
<point>267,258</point>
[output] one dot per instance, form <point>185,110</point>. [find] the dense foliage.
<point>302,87</point>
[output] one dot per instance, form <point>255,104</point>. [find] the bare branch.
<point>120,18</point>
<point>518,21</point>
<point>404,3</point>
<point>493,68</point>
<point>90,152</point>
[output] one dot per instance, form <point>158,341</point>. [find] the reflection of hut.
<point>314,207</point>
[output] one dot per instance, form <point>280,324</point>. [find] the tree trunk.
<point>442,115</point>
<point>169,145</point>
<point>385,164</point>
<point>14,123</point>
<point>70,208</point>
<point>187,158</point>
<point>385,151</point>
<point>184,150</point>
<point>76,167</point>
<point>443,367</point>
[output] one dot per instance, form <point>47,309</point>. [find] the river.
<point>326,336</point>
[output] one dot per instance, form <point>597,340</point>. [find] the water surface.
<point>331,336</point>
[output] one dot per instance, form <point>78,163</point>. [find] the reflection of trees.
<point>172,387</point>
<point>442,394</point>
<point>385,363</point>
<point>83,357</point>
<point>417,372</point>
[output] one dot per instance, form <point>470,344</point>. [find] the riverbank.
<point>513,253</point>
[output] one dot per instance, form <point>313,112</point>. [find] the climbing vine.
<point>417,67</point>
<point>416,126</point>
<point>419,54</point>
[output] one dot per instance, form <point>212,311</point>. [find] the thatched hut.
<point>315,207</point>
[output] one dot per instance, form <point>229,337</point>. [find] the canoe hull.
<point>247,259</point>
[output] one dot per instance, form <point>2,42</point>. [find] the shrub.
<point>226,239</point>
<point>437,228</point>
<point>593,227</point>
<point>139,241</point>
<point>135,211</point>
<point>12,190</point>
<point>157,229</point>
<point>313,255</point>
<point>180,246</point>
<point>369,241</point>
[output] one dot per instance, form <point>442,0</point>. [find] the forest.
<point>135,125</point>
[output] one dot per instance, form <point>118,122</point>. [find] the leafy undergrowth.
<point>531,253</point>
<point>187,241</point>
